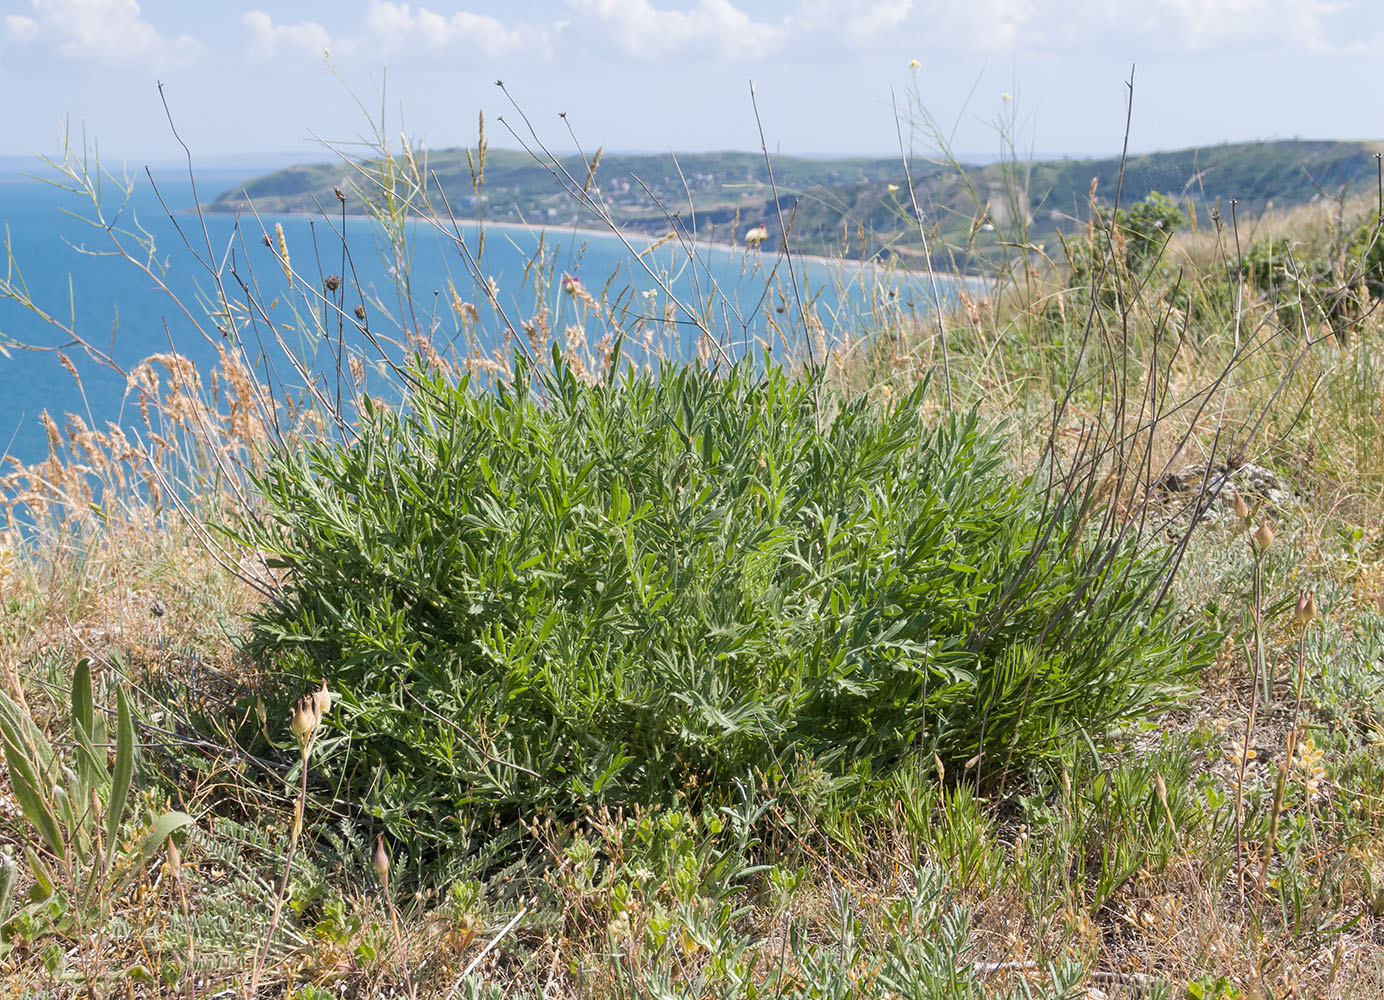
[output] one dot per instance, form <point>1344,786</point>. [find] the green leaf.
<point>91,765</point>
<point>163,827</point>
<point>43,875</point>
<point>124,770</point>
<point>9,872</point>
<point>23,744</point>
<point>82,712</point>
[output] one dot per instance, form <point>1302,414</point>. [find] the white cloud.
<point>108,32</point>
<point>1159,26</point>
<point>858,21</point>
<point>20,28</point>
<point>399,29</point>
<point>268,39</point>
<point>730,30</point>
<point>713,28</point>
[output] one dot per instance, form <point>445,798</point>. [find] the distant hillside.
<point>846,206</point>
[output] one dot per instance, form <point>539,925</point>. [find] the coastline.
<point>634,238</point>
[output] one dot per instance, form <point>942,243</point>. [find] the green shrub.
<point>1365,256</point>
<point>1146,226</point>
<point>1303,284</point>
<point>1309,287</point>
<point>562,594</point>
<point>1137,235</point>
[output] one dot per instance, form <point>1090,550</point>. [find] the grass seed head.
<point>283,250</point>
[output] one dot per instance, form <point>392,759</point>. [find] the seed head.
<point>283,250</point>
<point>1242,509</point>
<point>1306,610</point>
<point>304,718</point>
<point>175,858</point>
<point>332,282</point>
<point>381,860</point>
<point>1263,536</point>
<point>322,701</point>
<point>360,312</point>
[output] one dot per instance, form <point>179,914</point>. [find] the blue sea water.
<point>66,266</point>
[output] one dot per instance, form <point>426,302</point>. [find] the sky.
<point>246,78</point>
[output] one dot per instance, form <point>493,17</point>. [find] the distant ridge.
<point>845,205</point>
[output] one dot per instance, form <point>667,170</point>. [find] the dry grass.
<point>115,562</point>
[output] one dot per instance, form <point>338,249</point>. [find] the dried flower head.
<point>360,312</point>
<point>1263,536</point>
<point>304,719</point>
<point>322,701</point>
<point>1306,610</point>
<point>175,858</point>
<point>381,861</point>
<point>1242,509</point>
<point>332,282</point>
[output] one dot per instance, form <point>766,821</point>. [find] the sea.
<point>66,284</point>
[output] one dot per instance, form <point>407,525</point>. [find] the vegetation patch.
<point>566,594</point>
<point>578,679</point>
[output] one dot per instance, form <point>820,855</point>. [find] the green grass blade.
<point>164,827</point>
<point>124,770</point>
<point>23,753</point>
<point>92,764</point>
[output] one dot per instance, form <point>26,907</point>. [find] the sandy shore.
<point>640,242</point>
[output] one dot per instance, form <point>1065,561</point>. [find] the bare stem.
<point>1258,662</point>
<point>1281,787</point>
<point>398,940</point>
<point>298,808</point>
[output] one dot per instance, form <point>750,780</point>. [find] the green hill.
<point>849,206</point>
